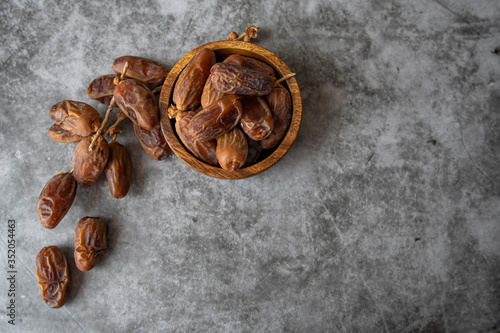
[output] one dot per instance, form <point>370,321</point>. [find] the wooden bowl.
<point>271,156</point>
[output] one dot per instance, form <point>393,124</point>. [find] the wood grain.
<point>223,48</point>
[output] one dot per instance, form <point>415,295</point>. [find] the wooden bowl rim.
<point>246,48</point>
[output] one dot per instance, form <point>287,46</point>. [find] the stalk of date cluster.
<point>11,271</point>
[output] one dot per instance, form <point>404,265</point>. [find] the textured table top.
<point>383,217</point>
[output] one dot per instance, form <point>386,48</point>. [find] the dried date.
<point>76,117</point>
<point>217,119</point>
<point>118,170</point>
<point>90,242</point>
<point>234,79</point>
<point>280,104</point>
<point>101,88</point>
<point>232,149</point>
<point>153,142</point>
<point>59,134</point>
<point>256,120</point>
<point>89,164</point>
<point>56,199</point>
<point>53,276</point>
<point>203,150</point>
<point>191,81</point>
<point>137,102</point>
<point>147,71</point>
<point>210,94</point>
<point>252,63</point>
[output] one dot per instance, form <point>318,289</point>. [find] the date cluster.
<point>132,89</point>
<point>227,111</point>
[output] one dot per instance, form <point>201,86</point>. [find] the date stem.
<point>108,111</point>
<point>111,130</point>
<point>286,77</point>
<point>250,34</point>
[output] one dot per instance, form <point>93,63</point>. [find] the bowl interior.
<point>268,157</point>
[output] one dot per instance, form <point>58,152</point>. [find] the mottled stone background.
<point>383,217</point>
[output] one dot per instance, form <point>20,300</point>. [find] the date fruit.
<point>56,199</point>
<point>256,120</point>
<point>280,104</point>
<point>52,273</point>
<point>137,102</point>
<point>59,134</point>
<point>101,88</point>
<point>149,72</point>
<point>232,149</point>
<point>90,242</point>
<point>234,79</point>
<point>210,94</point>
<point>252,63</point>
<point>89,164</point>
<point>118,170</point>
<point>191,81</point>
<point>77,117</point>
<point>153,142</point>
<point>217,119</point>
<point>203,150</point>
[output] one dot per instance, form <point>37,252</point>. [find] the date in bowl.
<point>268,157</point>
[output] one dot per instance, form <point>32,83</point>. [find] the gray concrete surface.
<point>383,217</point>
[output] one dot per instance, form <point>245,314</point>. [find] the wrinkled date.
<point>118,170</point>
<point>137,102</point>
<point>53,276</point>
<point>234,79</point>
<point>89,164</point>
<point>56,199</point>
<point>147,71</point>
<point>59,134</point>
<point>237,59</point>
<point>204,150</point>
<point>210,94</point>
<point>153,142</point>
<point>76,117</point>
<point>101,88</point>
<point>256,120</point>
<point>217,119</point>
<point>280,104</point>
<point>232,149</point>
<point>90,242</point>
<point>191,81</point>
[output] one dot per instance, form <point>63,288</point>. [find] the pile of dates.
<point>132,89</point>
<point>226,112</point>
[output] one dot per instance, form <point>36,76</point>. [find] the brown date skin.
<point>210,94</point>
<point>217,119</point>
<point>153,142</point>
<point>234,79</point>
<point>232,149</point>
<point>90,242</point>
<point>256,120</point>
<point>118,170</point>
<point>191,81</point>
<point>238,59</point>
<point>137,102</point>
<point>280,104</point>
<point>203,150</point>
<point>77,117</point>
<point>59,134</point>
<point>101,88</point>
<point>88,165</point>
<point>56,199</point>
<point>52,273</point>
<point>147,71</point>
